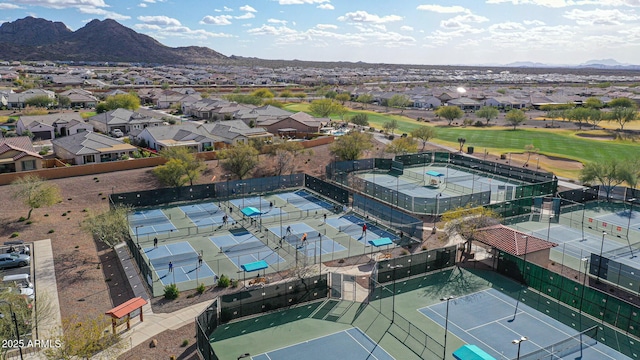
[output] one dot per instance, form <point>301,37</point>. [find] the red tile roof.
<point>512,241</point>
<point>126,308</point>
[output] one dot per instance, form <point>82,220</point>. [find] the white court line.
<point>361,345</point>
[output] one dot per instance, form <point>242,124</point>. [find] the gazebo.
<point>125,309</point>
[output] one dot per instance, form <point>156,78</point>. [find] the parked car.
<point>14,260</point>
<point>117,133</point>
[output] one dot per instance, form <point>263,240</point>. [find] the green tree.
<point>390,126</point>
<point>121,101</point>
<point>622,102</point>
<point>402,145</point>
<point>263,94</point>
<point>450,113</point>
<point>63,101</point>
<point>424,133</point>
<point>595,116</point>
<point>399,101</point>
<point>83,339</point>
<point>364,99</point>
<point>172,173</point>
<point>580,115</point>
<point>515,117</point>
<point>343,98</point>
<point>360,119</point>
<point>621,115</point>
<point>466,221</point>
<point>300,95</point>
<point>340,110</point>
<point>35,192</point>
<point>351,145</point>
<point>487,113</point>
<point>593,103</point>
<point>286,94</point>
<point>110,227</point>
<point>608,173</point>
<point>322,107</point>
<point>244,99</point>
<point>239,160</point>
<point>193,166</point>
<point>331,94</point>
<point>39,101</point>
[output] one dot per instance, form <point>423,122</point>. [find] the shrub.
<point>22,218</point>
<point>171,292</point>
<point>234,283</point>
<point>51,231</point>
<point>224,281</point>
<point>201,288</point>
<point>185,342</point>
<point>15,234</point>
<point>29,222</point>
<point>478,124</point>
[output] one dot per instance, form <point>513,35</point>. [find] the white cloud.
<point>159,20</point>
<point>461,21</point>
<point>247,8</point>
<point>248,15</point>
<point>9,6</point>
<point>142,5</point>
<point>158,31</point>
<point>364,17</point>
<point>406,28</point>
<point>216,20</point>
<point>300,2</point>
<point>61,4</point>
<point>326,7</point>
<point>277,21</point>
<point>224,8</point>
<point>326,26</point>
<point>600,17</point>
<point>443,9</point>
<point>271,30</point>
<point>103,13</point>
<point>567,3</point>
<point>507,26</point>
<point>533,22</point>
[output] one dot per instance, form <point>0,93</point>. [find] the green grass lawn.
<point>551,142</point>
<point>88,114</point>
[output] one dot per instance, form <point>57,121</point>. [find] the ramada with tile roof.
<point>512,241</point>
<point>18,154</point>
<point>91,147</point>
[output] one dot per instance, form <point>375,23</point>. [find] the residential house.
<point>188,135</point>
<point>19,100</point>
<point>426,102</point>
<point>505,102</point>
<point>18,154</point>
<point>234,132</point>
<point>124,120</point>
<point>46,127</point>
<point>295,123</point>
<point>80,98</point>
<point>464,103</point>
<point>90,147</point>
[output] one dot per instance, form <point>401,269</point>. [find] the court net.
<point>353,227</point>
<point>247,246</point>
<point>303,199</point>
<point>566,347</point>
<point>410,185</point>
<point>201,213</point>
<point>148,220</point>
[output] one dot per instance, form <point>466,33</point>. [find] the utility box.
<point>469,149</point>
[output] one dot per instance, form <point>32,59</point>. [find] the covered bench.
<point>125,309</point>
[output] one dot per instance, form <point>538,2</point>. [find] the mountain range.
<point>103,41</point>
<point>36,39</point>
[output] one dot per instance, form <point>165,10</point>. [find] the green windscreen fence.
<point>567,300</point>
<point>415,264</point>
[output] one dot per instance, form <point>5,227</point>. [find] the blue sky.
<point>374,31</point>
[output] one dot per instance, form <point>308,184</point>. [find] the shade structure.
<point>254,266</point>
<point>381,242</point>
<point>471,352</point>
<point>434,173</point>
<point>251,211</point>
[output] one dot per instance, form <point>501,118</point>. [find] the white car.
<point>117,133</point>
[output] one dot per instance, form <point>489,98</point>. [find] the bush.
<point>15,235</point>
<point>171,292</point>
<point>51,231</point>
<point>22,218</point>
<point>478,124</point>
<point>201,288</point>
<point>224,281</point>
<point>185,342</point>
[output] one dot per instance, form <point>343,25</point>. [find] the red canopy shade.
<point>127,308</point>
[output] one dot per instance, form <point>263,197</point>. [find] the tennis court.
<point>304,200</point>
<point>491,320</point>
<point>624,218</point>
<point>352,226</point>
<point>205,214</point>
<point>145,222</point>
<point>242,247</point>
<point>185,263</point>
<point>351,344</point>
<point>315,244</point>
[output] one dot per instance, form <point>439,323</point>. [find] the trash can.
<point>469,149</point>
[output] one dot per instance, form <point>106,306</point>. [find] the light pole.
<point>630,214</point>
<point>446,324</point>
<point>584,280</point>
<point>524,260</point>
<point>15,323</point>
<point>519,342</point>
<point>549,229</point>
<point>242,186</point>
<point>393,296</point>
<point>137,240</point>
<point>435,216</point>
<point>538,163</point>
<point>600,259</point>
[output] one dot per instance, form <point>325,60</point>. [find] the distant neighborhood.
<point>174,113</point>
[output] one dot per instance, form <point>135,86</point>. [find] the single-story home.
<point>91,147</point>
<point>18,154</point>
<point>46,127</point>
